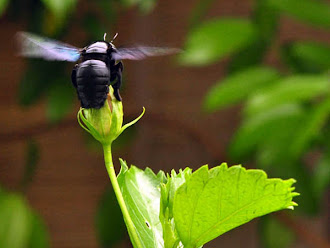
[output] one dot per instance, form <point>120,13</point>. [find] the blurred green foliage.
<point>285,109</point>
<point>274,234</point>
<point>312,12</point>
<point>285,117</point>
<point>20,227</point>
<point>204,46</point>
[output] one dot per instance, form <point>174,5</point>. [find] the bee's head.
<point>111,42</point>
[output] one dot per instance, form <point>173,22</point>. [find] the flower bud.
<point>105,124</point>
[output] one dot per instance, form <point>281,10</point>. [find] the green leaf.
<point>238,86</point>
<point>60,8</point>
<point>20,227</point>
<point>215,39</point>
<point>309,57</point>
<point>32,158</point>
<point>141,192</point>
<point>199,11</point>
<point>168,190</point>
<point>321,176</point>
<point>215,201</point>
<point>265,19</point>
<point>308,202</point>
<point>147,6</point>
<point>15,222</point>
<point>293,89</point>
<point>310,11</point>
<point>263,126</point>
<point>252,55</point>
<point>109,222</point>
<point>60,99</point>
<point>272,151</point>
<point>38,236</point>
<point>144,5</point>
<point>3,6</point>
<point>274,234</point>
<point>310,128</point>
<point>57,14</point>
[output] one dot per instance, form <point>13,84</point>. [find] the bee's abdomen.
<point>93,79</point>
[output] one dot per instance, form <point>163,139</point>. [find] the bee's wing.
<point>35,46</point>
<point>138,53</point>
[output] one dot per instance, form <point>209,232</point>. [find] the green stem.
<point>120,198</point>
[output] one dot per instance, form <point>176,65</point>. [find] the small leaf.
<point>265,19</point>
<point>238,86</point>
<point>199,11</point>
<point>215,39</point>
<point>311,11</point>
<point>60,99</point>
<point>3,6</point>
<point>270,151</point>
<point>251,55</point>
<point>15,222</point>
<point>32,158</point>
<point>147,6</point>
<point>60,8</point>
<point>144,5</point>
<point>215,201</point>
<point>274,234</point>
<point>109,222</point>
<point>309,57</point>
<point>310,128</point>
<point>262,126</point>
<point>141,192</point>
<point>293,89</point>
<point>57,15</point>
<point>174,181</point>
<point>321,176</point>
<point>39,237</point>
<point>20,227</point>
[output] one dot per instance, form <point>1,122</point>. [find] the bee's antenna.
<point>104,36</point>
<point>114,37</point>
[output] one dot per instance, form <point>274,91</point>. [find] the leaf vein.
<point>230,216</point>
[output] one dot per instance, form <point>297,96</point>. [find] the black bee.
<point>99,65</point>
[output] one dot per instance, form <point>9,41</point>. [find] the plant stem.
<point>113,178</point>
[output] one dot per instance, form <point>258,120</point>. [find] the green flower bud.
<point>105,124</point>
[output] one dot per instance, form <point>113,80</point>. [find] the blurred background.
<point>251,88</point>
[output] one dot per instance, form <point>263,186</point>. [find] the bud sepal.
<point>105,124</point>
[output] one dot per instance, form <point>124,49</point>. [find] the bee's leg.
<point>74,76</point>
<point>117,75</point>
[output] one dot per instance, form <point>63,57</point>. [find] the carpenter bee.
<point>100,63</point>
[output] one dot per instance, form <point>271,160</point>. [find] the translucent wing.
<point>35,46</point>
<point>138,53</point>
